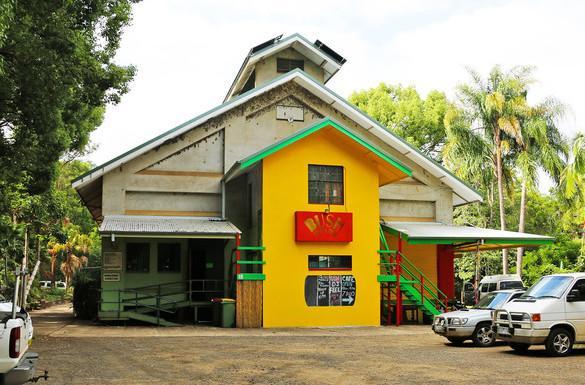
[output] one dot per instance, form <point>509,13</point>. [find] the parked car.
<point>550,313</point>
<point>17,363</point>
<point>491,283</point>
<point>45,284</point>
<point>60,285</point>
<point>476,323</point>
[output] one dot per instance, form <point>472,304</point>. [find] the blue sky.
<point>188,52</point>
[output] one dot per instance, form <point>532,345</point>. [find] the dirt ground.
<point>83,353</point>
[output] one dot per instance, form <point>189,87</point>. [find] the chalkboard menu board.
<point>330,290</point>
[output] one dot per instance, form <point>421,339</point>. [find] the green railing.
<point>408,271</point>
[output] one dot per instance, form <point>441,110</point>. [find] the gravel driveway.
<point>82,353</point>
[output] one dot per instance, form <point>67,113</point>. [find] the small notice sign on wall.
<point>111,277</point>
<point>113,260</point>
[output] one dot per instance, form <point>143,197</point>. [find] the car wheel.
<point>457,341</point>
<point>483,336</point>
<point>518,347</point>
<point>559,342</point>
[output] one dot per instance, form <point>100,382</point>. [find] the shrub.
<point>86,293</point>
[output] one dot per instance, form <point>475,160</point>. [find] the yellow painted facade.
<point>285,191</point>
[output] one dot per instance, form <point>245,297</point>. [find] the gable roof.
<point>317,52</point>
<point>462,192</point>
<point>249,161</point>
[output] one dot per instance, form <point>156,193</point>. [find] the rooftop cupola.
<point>279,55</point>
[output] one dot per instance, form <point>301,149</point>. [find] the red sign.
<point>323,227</point>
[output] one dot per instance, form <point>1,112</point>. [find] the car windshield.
<point>492,300</point>
<point>549,286</point>
<point>504,285</point>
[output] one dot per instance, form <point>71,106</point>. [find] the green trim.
<point>386,251</point>
<point>451,241</point>
<point>327,122</point>
<point>435,241</point>
<point>251,262</point>
<point>392,278</point>
<point>255,248</point>
<point>251,277</point>
<point>386,278</point>
<point>519,241</point>
<point>389,229</point>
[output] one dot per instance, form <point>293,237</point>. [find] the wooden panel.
<point>180,173</point>
<point>406,219</point>
<point>167,213</point>
<point>249,304</point>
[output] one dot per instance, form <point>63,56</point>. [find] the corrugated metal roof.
<point>463,193</point>
<point>435,232</point>
<point>138,224</point>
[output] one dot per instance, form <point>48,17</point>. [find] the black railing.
<point>163,298</point>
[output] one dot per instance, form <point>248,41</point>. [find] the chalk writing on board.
<point>323,290</point>
<point>348,290</point>
<point>334,290</point>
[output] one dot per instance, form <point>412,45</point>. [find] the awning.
<point>167,227</point>
<point>464,238</point>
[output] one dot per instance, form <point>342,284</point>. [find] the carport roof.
<point>464,238</point>
<point>167,226</point>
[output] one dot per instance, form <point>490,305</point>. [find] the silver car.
<point>475,323</point>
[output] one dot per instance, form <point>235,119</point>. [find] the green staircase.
<point>399,275</point>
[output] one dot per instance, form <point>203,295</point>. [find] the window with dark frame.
<point>138,257</point>
<point>285,65</point>
<point>325,184</point>
<point>580,286</point>
<point>329,262</point>
<point>169,257</point>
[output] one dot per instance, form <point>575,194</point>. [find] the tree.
<point>56,76</point>
<point>573,176</point>
<point>541,147</point>
<point>404,112</point>
<point>492,109</point>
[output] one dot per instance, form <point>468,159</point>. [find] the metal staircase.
<point>153,303</point>
<point>403,285</point>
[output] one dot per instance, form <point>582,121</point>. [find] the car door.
<point>575,310</point>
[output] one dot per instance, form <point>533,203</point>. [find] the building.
<point>287,198</point>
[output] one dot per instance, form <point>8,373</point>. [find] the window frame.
<point>575,286</point>
<point>349,257</point>
<point>127,270</point>
<point>291,64</point>
<point>309,180</point>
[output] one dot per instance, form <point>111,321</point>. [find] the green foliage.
<point>404,112</point>
<point>563,256</point>
<point>58,75</point>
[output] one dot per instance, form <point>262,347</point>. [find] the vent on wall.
<point>285,65</point>
<point>290,113</point>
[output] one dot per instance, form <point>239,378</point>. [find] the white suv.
<point>551,312</point>
<point>491,283</point>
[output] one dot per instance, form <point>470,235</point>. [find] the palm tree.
<point>573,176</point>
<point>493,108</point>
<point>542,147</point>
